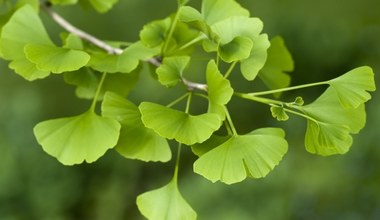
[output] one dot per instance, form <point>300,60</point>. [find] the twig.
<point>108,48</point>
<point>193,85</point>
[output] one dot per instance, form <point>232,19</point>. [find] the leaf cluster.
<point>107,72</point>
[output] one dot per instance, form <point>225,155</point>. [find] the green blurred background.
<point>326,38</point>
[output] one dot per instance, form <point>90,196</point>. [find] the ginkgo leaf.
<point>330,125</point>
<point>279,113</point>
<point>278,63</point>
<point>254,154</point>
<point>123,63</point>
<point>237,49</point>
<point>352,86</point>
<point>153,34</point>
<point>87,82</point>
<point>327,139</point>
<point>23,27</point>
<point>72,41</point>
<point>135,141</point>
<point>218,10</point>
<point>171,70</point>
<point>165,203</point>
<point>251,66</point>
<point>72,140</point>
<point>174,124</point>
<point>327,108</point>
<point>100,6</point>
<point>55,59</point>
<point>63,2</point>
<point>219,89</point>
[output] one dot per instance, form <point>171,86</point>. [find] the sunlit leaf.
<point>72,140</point>
<point>171,70</point>
<point>23,27</point>
<point>219,89</point>
<point>238,49</point>
<point>279,113</point>
<point>330,125</point>
<point>165,203</point>
<point>63,2</point>
<point>254,154</point>
<point>87,82</point>
<point>153,34</point>
<point>278,63</point>
<point>352,86</point>
<point>123,63</point>
<point>135,141</point>
<point>55,59</point>
<point>174,124</point>
<point>100,6</point>
<point>251,66</point>
<point>218,10</point>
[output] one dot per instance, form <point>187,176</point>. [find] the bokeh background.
<point>326,37</point>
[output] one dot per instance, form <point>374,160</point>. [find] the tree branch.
<point>106,47</point>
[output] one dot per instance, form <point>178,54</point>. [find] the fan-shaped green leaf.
<point>22,28</point>
<point>55,59</point>
<point>219,89</point>
<point>327,139</point>
<point>154,33</point>
<point>251,66</point>
<point>72,140</point>
<point>329,127</point>
<point>352,86</point>
<point>171,70</point>
<point>174,124</point>
<point>63,2</point>
<point>135,141</point>
<point>100,6</point>
<point>327,109</point>
<point>279,113</point>
<point>123,63</point>
<point>237,26</point>
<point>238,49</point>
<point>87,82</point>
<point>279,61</point>
<point>218,10</point>
<point>254,154</point>
<point>165,203</point>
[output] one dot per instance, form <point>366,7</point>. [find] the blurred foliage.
<point>326,38</point>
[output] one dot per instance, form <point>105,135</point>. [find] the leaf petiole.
<point>230,123</point>
<point>171,31</point>
<point>97,93</point>
<point>176,168</point>
<point>229,71</point>
<point>177,100</point>
<point>289,88</point>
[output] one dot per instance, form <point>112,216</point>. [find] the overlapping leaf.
<point>254,154</point>
<point>165,203</point>
<point>136,141</point>
<point>218,10</point>
<point>279,62</point>
<point>352,86</point>
<point>330,125</point>
<point>171,70</point>
<point>154,33</point>
<point>23,27</point>
<point>72,140</point>
<point>219,89</point>
<point>55,59</point>
<point>173,124</point>
<point>239,26</point>
<point>100,6</point>
<point>123,63</point>
<point>87,82</point>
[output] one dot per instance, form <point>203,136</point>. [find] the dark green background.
<point>326,38</point>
